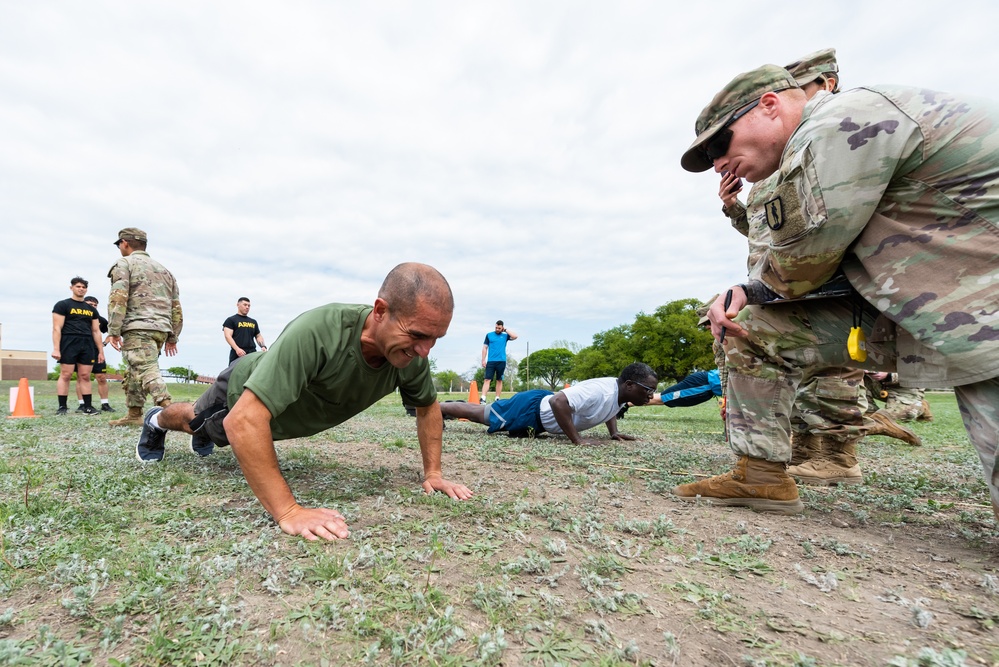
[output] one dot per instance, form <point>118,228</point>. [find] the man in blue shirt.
<point>494,357</point>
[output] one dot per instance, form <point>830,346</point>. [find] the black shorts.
<point>212,408</point>
<point>99,369</point>
<point>495,370</point>
<point>77,350</point>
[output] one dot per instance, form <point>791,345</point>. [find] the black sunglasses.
<point>717,145</point>
<point>649,390</point>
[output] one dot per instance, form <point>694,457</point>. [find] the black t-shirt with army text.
<point>79,315</point>
<point>244,331</point>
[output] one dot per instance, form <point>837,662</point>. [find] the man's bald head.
<point>411,285</point>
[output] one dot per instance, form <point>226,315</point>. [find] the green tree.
<point>447,381</point>
<point>668,340</point>
<point>553,366</point>
<point>182,372</point>
<point>611,351</point>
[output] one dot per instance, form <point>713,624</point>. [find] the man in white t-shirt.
<point>570,411</point>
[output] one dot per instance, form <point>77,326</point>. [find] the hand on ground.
<point>438,483</point>
<point>314,523</point>
<point>623,436</point>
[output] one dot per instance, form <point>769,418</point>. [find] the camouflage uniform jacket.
<point>144,297</point>
<point>901,186</point>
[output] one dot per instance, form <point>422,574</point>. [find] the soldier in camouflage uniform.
<point>144,316</point>
<point>831,402</point>
<point>897,188</point>
<point>904,404</point>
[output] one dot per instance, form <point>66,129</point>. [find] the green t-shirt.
<point>314,377</point>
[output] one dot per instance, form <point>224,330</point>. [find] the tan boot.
<point>837,466</point>
<point>133,418</point>
<point>805,447</point>
<point>881,424</point>
<point>754,483</point>
<point>925,415</point>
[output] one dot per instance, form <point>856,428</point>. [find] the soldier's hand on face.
<point>731,186</point>
<point>315,523</point>
<point>438,483</point>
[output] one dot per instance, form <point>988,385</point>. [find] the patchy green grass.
<point>566,555</point>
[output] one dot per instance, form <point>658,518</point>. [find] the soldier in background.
<point>144,316</point>
<point>241,332</point>
<point>74,332</point>
<point>895,187</point>
<point>903,404</point>
<point>99,371</point>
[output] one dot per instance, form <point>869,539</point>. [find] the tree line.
<point>668,340</point>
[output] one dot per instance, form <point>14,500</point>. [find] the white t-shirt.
<point>592,402</point>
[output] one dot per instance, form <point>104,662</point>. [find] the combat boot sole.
<point>787,507</point>
<point>126,421</point>
<point>826,477</point>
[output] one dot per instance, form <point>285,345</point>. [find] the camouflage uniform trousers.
<point>828,400</point>
<point>141,352</point>
<point>903,404</point>
<point>791,343</point>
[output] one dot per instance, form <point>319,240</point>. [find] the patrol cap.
<point>702,312</point>
<point>740,92</point>
<point>131,234</point>
<point>808,68</point>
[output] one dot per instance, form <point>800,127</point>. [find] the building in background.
<point>17,364</point>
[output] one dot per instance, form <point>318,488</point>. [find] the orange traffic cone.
<point>567,385</point>
<point>473,392</point>
<point>22,407</point>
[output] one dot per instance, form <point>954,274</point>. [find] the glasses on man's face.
<point>717,146</point>
<point>648,390</point>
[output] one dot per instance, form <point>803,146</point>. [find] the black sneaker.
<point>62,412</point>
<point>80,408</point>
<point>89,410</point>
<point>106,407</point>
<point>149,449</point>
<point>201,444</point>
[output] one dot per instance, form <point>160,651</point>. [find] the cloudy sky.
<point>295,152</point>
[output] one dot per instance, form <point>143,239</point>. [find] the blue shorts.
<point>494,370</point>
<point>519,412</point>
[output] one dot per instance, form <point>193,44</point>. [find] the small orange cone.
<point>567,385</point>
<point>473,392</point>
<point>22,407</point>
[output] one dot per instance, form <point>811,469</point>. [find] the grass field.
<point>566,555</point>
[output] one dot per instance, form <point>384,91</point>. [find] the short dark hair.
<point>78,279</point>
<point>243,298</point>
<point>410,284</point>
<point>637,372</point>
<point>91,299</point>
<point>499,322</point>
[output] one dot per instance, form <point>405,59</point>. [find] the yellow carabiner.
<point>856,344</point>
